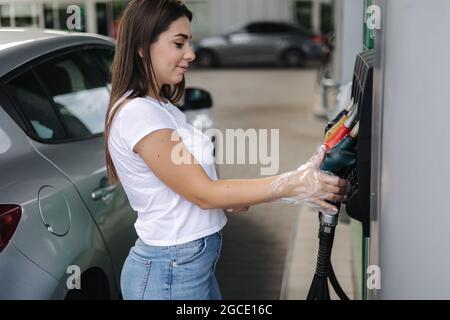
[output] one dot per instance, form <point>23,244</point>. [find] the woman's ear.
<point>141,53</point>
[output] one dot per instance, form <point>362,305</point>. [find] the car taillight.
<point>9,219</point>
<point>316,38</point>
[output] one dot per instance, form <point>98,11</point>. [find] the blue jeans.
<point>180,272</point>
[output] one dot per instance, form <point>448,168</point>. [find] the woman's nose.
<point>189,55</point>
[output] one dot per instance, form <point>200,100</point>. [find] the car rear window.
<point>64,98</point>
<point>104,57</point>
<point>32,100</point>
<point>78,92</point>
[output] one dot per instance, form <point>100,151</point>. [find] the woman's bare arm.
<point>191,182</point>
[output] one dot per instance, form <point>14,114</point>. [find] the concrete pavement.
<point>270,252</point>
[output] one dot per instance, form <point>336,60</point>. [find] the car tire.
<point>94,286</point>
<point>292,58</point>
<point>206,59</point>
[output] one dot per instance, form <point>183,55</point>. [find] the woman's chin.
<point>173,79</point>
<point>176,80</point>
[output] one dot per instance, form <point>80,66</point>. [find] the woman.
<point>179,205</point>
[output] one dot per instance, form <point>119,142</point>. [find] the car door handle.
<point>103,192</point>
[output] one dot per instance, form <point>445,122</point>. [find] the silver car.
<point>261,43</point>
<point>60,219</point>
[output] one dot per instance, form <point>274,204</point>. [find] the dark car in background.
<point>262,43</point>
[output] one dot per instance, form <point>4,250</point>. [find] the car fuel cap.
<point>55,211</point>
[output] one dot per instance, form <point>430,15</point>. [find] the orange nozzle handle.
<point>340,133</point>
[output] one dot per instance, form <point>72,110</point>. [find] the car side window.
<point>33,103</point>
<point>268,28</point>
<point>78,92</point>
<point>277,28</point>
<point>255,28</point>
<point>264,28</point>
<point>104,57</point>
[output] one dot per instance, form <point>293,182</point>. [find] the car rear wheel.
<point>206,59</point>
<point>94,286</point>
<point>292,58</point>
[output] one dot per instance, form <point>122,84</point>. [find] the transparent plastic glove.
<point>310,186</point>
<point>237,210</point>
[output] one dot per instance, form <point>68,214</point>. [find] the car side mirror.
<point>196,98</point>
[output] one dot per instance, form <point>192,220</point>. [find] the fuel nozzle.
<point>339,119</point>
<point>340,160</point>
<point>342,129</point>
<point>342,156</point>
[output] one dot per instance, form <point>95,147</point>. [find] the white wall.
<point>414,214</point>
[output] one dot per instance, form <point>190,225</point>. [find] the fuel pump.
<point>340,159</point>
<point>348,143</point>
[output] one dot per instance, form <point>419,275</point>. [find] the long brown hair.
<point>141,24</point>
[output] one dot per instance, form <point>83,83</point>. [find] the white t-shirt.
<point>165,218</point>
